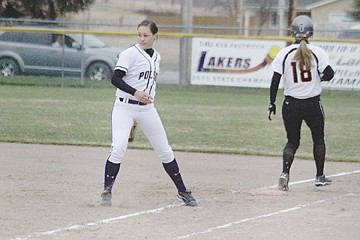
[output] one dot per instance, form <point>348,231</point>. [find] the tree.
<point>264,13</point>
<point>355,13</point>
<point>41,9</point>
<point>232,7</point>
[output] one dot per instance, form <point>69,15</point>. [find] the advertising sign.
<point>247,63</point>
<point>233,62</point>
<point>345,60</point>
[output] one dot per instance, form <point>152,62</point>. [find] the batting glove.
<point>271,109</point>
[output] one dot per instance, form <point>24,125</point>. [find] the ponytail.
<point>303,55</point>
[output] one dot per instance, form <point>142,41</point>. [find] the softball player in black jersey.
<point>135,78</point>
<point>303,66</point>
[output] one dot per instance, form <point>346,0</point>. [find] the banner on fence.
<point>345,59</point>
<point>247,63</point>
<point>232,62</point>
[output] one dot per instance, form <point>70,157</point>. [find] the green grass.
<point>196,118</point>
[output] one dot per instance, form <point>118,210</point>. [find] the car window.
<point>68,41</point>
<point>37,38</point>
<point>11,36</point>
<point>89,40</point>
<point>58,38</point>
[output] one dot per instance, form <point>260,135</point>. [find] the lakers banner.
<point>247,63</point>
<point>232,62</point>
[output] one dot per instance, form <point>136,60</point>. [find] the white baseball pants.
<point>123,116</point>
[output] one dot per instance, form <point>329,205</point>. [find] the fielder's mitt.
<point>132,132</point>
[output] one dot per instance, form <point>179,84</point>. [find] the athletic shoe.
<point>187,198</point>
<point>105,198</point>
<point>284,182</point>
<point>322,181</point>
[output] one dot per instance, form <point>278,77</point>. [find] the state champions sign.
<point>233,62</point>
<point>345,60</point>
<point>247,63</point>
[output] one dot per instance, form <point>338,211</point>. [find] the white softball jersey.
<point>141,70</point>
<point>300,83</point>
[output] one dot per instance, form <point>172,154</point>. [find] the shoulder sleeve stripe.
<point>317,62</point>
<point>286,56</point>
<point>121,68</point>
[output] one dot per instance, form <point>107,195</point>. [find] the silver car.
<point>36,53</point>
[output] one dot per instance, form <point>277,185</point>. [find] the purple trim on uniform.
<point>121,68</point>
<point>148,81</point>
<point>156,57</point>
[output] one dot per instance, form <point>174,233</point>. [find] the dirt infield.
<point>52,192</point>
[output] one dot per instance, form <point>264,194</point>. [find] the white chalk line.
<point>109,220</point>
<point>156,210</point>
<point>278,212</point>
<point>227,225</point>
<point>312,179</point>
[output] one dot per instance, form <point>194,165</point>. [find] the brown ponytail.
<point>303,55</point>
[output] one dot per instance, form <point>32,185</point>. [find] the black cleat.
<point>105,198</point>
<point>284,182</point>
<point>188,199</point>
<point>322,181</point>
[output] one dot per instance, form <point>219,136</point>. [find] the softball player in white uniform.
<point>303,66</point>
<point>135,78</point>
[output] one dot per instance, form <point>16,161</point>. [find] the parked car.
<point>34,53</point>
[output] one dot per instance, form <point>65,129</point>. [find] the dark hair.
<point>150,24</point>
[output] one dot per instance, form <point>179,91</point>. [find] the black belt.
<point>131,101</point>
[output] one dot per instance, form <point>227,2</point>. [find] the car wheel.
<point>8,67</point>
<point>99,71</point>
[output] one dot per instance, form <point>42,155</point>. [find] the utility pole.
<point>240,16</point>
<point>185,43</point>
<point>281,14</point>
<point>291,14</point>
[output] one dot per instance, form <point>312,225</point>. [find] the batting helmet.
<point>302,27</point>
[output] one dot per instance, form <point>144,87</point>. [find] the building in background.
<point>245,17</point>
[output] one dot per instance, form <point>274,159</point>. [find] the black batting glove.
<point>271,109</point>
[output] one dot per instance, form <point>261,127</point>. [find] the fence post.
<point>281,14</point>
<point>82,60</point>
<point>62,60</point>
<point>185,43</point>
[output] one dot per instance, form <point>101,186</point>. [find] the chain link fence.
<point>79,53</point>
